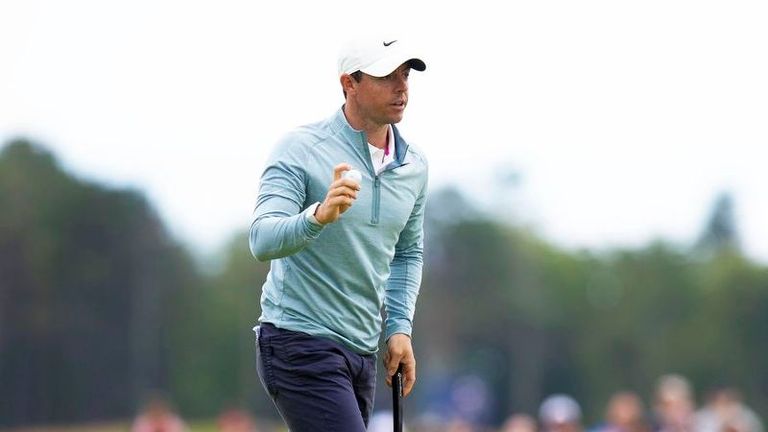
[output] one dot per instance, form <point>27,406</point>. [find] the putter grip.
<point>397,399</point>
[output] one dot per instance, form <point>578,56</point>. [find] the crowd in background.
<point>673,409</point>
<point>158,415</point>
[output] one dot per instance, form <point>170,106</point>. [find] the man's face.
<point>383,100</point>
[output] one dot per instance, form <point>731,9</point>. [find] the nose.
<point>401,83</point>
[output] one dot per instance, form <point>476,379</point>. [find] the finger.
<point>345,182</point>
<point>392,365</point>
<point>340,168</point>
<point>343,190</point>
<point>385,362</point>
<point>409,372</point>
<point>351,184</point>
<point>340,201</point>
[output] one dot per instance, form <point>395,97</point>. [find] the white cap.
<point>377,57</point>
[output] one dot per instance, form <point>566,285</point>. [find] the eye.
<point>394,75</point>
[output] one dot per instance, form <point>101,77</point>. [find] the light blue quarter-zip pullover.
<point>332,280</point>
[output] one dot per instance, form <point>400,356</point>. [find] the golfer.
<point>341,247</point>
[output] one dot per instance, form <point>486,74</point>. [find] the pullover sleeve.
<point>280,227</point>
<point>405,276</point>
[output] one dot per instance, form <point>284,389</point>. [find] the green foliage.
<point>215,366</point>
<point>587,324</point>
<point>86,278</point>
<point>98,305</point>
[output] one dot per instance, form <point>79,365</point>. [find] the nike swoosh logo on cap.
<point>389,43</point>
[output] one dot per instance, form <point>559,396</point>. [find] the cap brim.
<point>387,65</point>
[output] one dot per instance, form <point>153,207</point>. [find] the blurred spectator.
<point>519,423</point>
<point>725,412</point>
<point>471,400</point>
<point>624,413</point>
<point>459,425</point>
<point>428,422</point>
<point>236,420</point>
<point>158,416</point>
<point>673,404</point>
<point>560,413</point>
<point>382,421</point>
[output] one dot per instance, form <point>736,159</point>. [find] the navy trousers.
<point>316,384</point>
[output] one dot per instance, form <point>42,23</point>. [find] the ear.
<point>347,83</point>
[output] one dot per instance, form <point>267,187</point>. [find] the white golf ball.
<point>353,174</point>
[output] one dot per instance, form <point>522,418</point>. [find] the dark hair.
<point>357,76</point>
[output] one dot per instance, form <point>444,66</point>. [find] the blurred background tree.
<point>214,363</point>
<point>87,278</point>
<point>720,233</point>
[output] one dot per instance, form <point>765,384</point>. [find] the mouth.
<point>399,104</point>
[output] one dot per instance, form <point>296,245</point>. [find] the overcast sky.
<point>622,119</point>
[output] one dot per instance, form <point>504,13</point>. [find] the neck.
<point>376,133</point>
